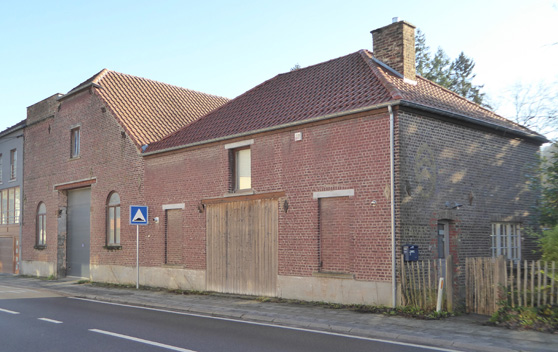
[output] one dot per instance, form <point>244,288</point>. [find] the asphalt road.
<point>33,321</point>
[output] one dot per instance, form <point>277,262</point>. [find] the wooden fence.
<point>419,282</point>
<point>492,281</point>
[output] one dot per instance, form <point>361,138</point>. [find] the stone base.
<point>37,268</point>
<point>167,277</point>
<point>334,290</point>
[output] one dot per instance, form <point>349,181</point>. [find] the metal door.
<point>78,251</point>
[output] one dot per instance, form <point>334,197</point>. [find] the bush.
<point>549,244</point>
<point>543,318</point>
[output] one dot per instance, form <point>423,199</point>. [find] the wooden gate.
<point>7,254</point>
<point>242,247</point>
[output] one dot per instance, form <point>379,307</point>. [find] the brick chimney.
<point>394,45</point>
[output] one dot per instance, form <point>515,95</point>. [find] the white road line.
<point>275,326</point>
<point>50,320</point>
<point>8,311</point>
<point>147,342</point>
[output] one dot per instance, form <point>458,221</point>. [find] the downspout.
<point>392,196</point>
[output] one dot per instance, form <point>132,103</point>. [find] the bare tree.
<point>535,105</point>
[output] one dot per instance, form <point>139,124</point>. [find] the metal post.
<point>137,256</point>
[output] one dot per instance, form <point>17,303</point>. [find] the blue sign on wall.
<point>138,215</point>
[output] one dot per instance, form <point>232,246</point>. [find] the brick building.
<point>308,185</point>
<point>84,169</point>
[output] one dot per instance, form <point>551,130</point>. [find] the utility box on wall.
<point>410,252</point>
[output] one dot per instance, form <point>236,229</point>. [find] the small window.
<point>113,220</point>
<point>41,225</point>
<point>242,169</point>
<point>13,164</point>
<point>75,142</point>
<point>506,240</point>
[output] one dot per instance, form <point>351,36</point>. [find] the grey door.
<point>79,202</point>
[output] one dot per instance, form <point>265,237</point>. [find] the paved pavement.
<point>463,333</point>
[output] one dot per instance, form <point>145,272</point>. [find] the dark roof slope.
<point>345,84</point>
<point>149,110</point>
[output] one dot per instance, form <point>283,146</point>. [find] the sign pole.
<point>137,256</point>
<point>138,216</point>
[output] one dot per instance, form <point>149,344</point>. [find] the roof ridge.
<point>154,81</point>
<point>368,58</point>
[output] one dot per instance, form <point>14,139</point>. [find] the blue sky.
<point>225,48</point>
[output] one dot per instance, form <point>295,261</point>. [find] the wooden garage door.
<point>6,255</point>
<point>242,247</point>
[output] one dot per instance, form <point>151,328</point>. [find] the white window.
<point>243,169</point>
<point>41,225</point>
<point>113,220</point>
<point>506,240</point>
<point>75,142</point>
<point>10,207</point>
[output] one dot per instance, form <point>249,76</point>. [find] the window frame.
<point>113,233</point>
<point>41,233</point>
<point>233,149</point>
<point>75,140</point>
<point>13,164</point>
<point>10,206</point>
<point>506,240</point>
<point>236,169</point>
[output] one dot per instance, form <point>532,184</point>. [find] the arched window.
<point>41,224</point>
<point>113,219</point>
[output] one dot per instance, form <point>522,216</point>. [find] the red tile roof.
<point>345,84</point>
<point>149,110</point>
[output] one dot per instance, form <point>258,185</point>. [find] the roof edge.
<point>78,89</point>
<point>18,126</point>
<point>277,127</point>
<point>534,136</point>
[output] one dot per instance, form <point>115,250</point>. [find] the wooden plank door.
<point>242,247</point>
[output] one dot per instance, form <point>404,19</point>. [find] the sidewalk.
<point>464,333</point>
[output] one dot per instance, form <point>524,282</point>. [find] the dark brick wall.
<point>442,164</point>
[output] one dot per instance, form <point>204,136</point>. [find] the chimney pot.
<point>395,20</point>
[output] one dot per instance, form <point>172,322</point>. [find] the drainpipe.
<point>392,196</point>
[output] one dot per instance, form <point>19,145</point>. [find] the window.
<point>13,164</point>
<point>0,168</point>
<point>75,142</point>
<point>242,169</point>
<point>41,225</point>
<point>10,208</point>
<point>506,240</point>
<point>113,220</point>
<point>240,165</point>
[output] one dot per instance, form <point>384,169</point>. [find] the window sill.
<point>75,157</point>
<point>242,192</point>
<point>113,247</point>
<point>40,247</point>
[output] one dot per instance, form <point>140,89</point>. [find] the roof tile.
<point>149,110</point>
<point>340,85</point>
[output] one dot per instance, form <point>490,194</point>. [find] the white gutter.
<point>392,196</point>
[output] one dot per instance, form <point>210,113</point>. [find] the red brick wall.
<point>346,154</point>
<point>106,154</point>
